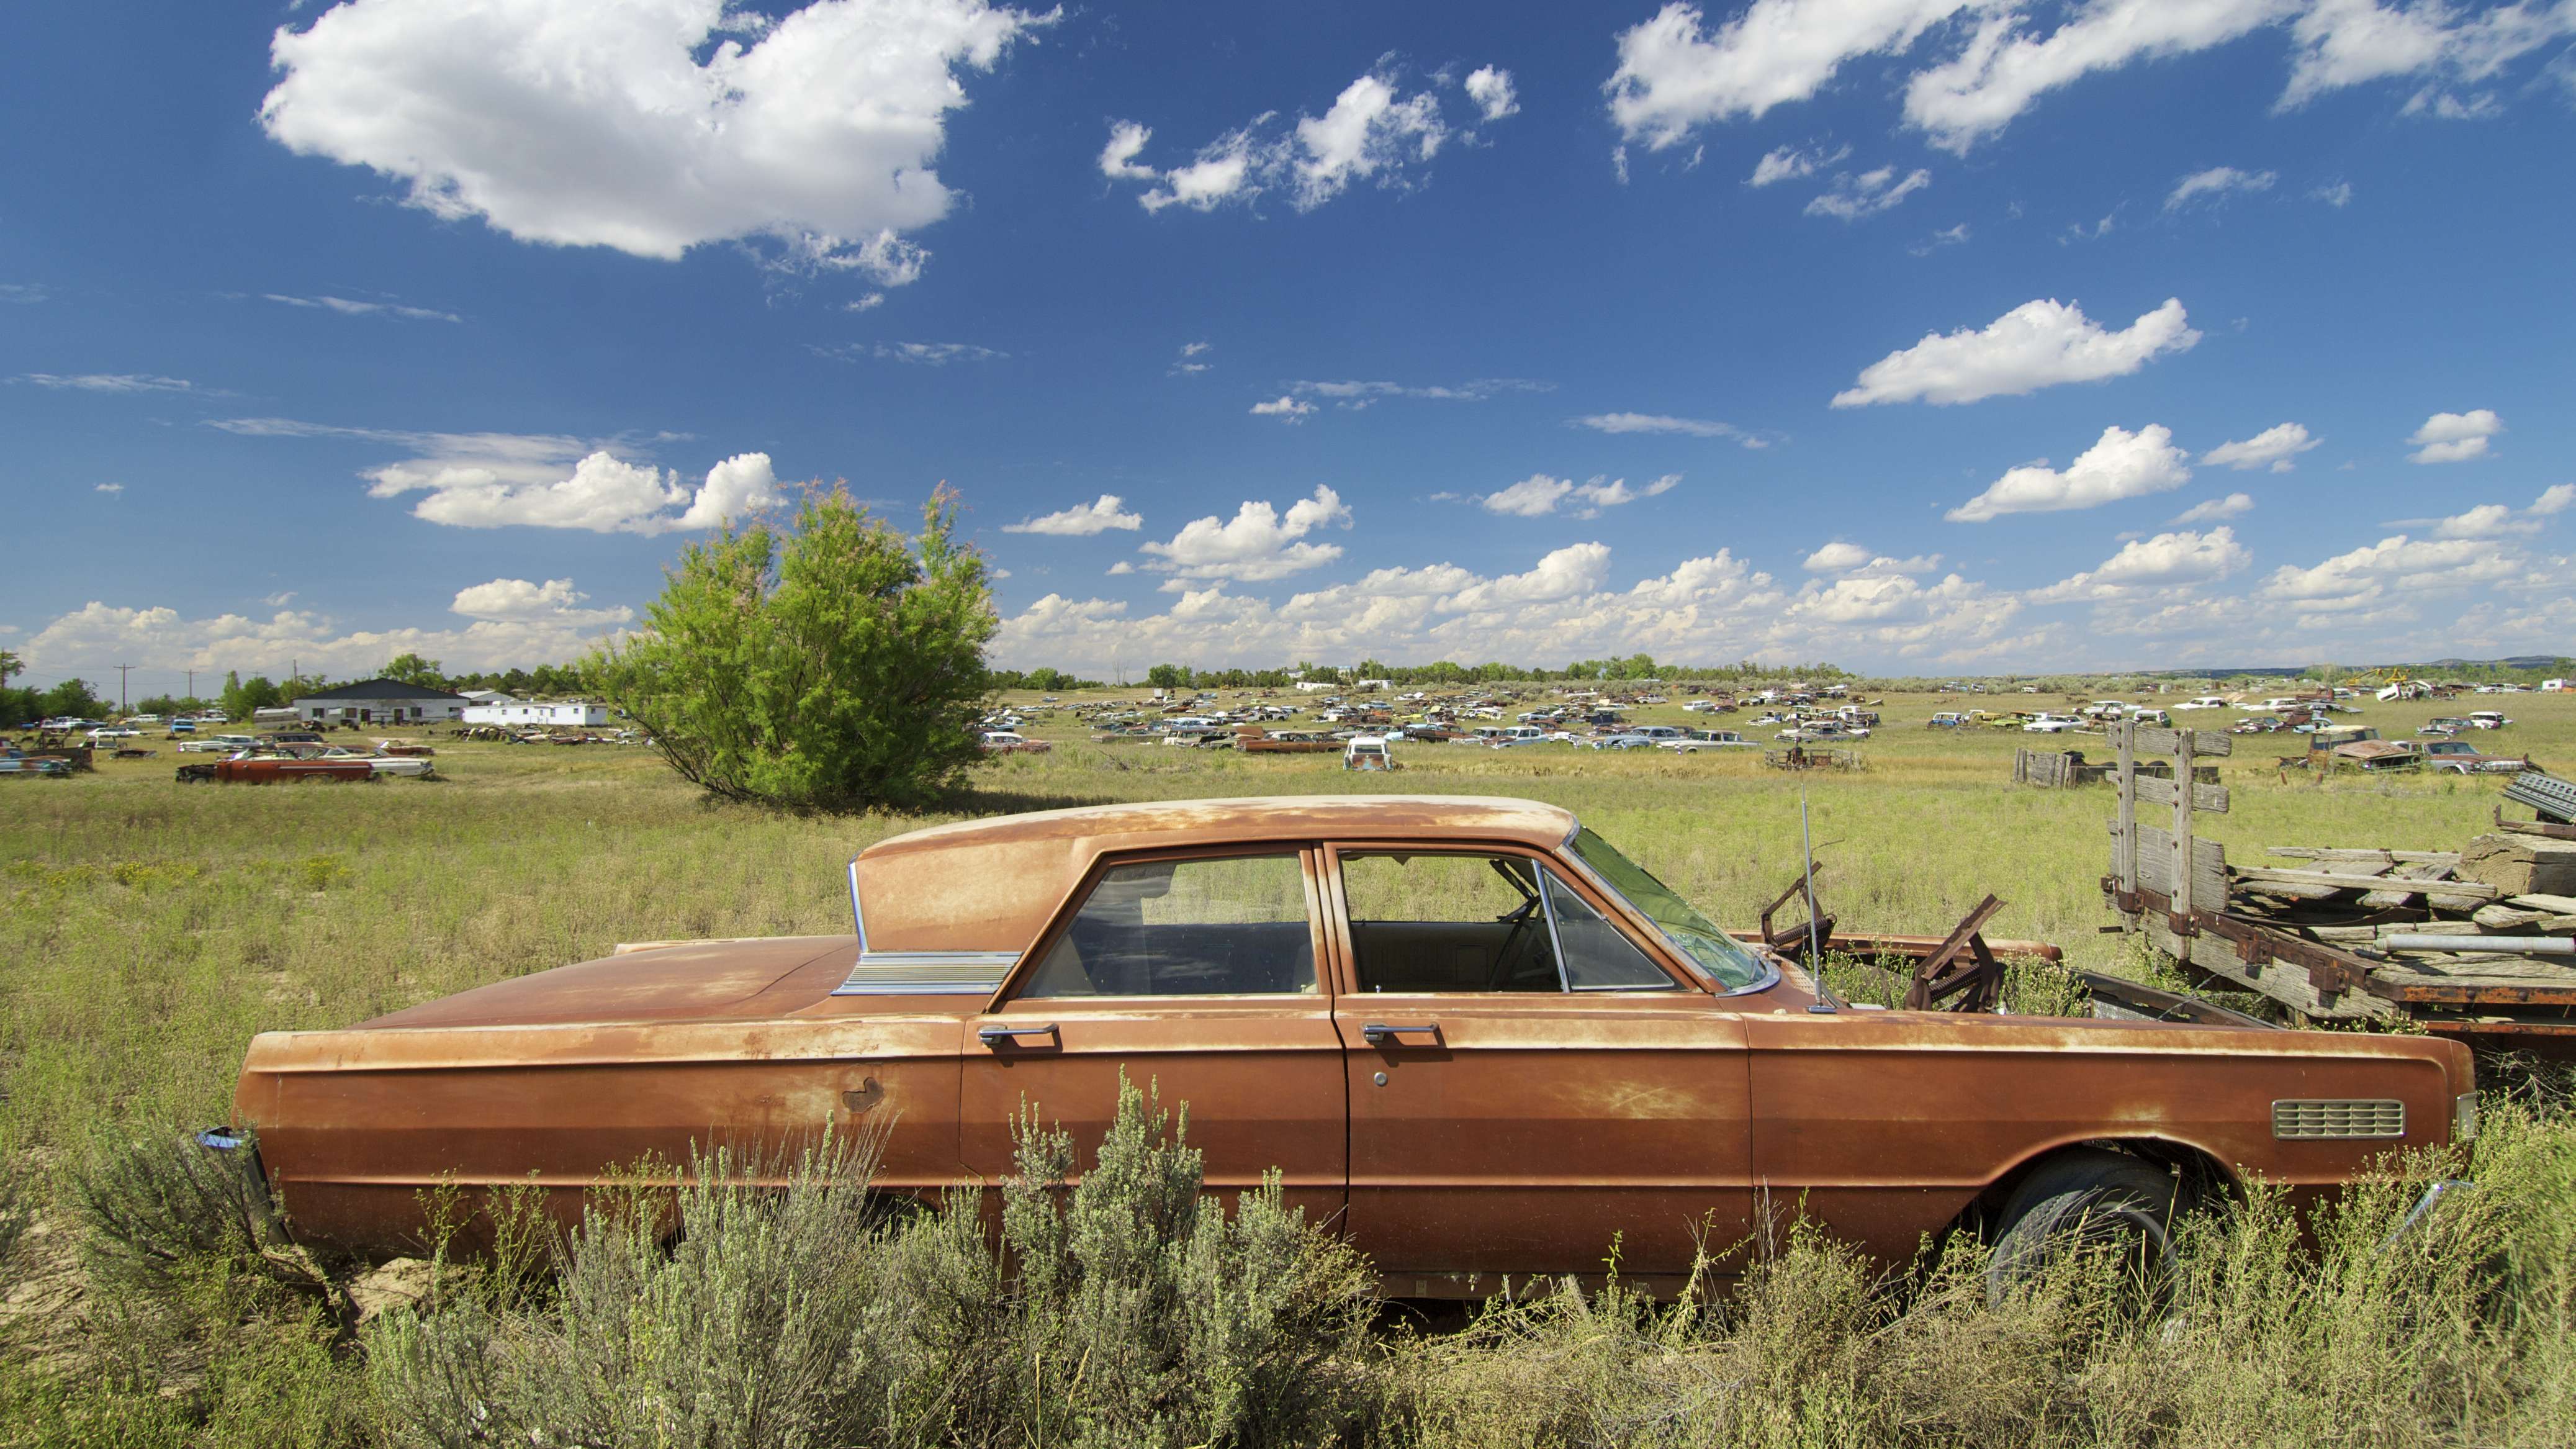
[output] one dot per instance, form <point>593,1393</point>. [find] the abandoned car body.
<point>1467,1033</point>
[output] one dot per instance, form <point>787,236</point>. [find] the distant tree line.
<point>1448,672</point>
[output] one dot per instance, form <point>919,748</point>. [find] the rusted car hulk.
<point>1466,1032</point>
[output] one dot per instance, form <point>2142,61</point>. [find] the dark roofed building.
<point>380,701</point>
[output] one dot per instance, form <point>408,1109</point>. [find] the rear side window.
<point>1235,926</point>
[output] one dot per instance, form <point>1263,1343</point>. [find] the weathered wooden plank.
<point>2124,833</point>
<point>2155,867</point>
<point>2153,790</point>
<point>2523,865</point>
<point>2352,881</point>
<point>2283,981</point>
<point>2423,870</point>
<point>2384,857</point>
<point>2156,740</point>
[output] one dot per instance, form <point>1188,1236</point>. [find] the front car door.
<point>1196,975</point>
<point>1531,1093</point>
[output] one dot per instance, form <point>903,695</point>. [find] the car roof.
<point>991,884</point>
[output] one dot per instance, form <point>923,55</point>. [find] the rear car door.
<point>1531,1092</point>
<point>1193,974</point>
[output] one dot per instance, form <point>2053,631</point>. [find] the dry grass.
<point>147,930</point>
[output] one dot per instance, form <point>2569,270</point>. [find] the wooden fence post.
<point>2125,844</point>
<point>2182,893</point>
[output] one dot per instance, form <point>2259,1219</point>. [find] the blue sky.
<point>1917,335</point>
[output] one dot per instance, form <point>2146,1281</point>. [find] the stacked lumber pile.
<point>2504,885</point>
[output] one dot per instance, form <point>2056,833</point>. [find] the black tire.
<point>2087,1199</point>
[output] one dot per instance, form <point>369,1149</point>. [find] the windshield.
<point>1712,950</point>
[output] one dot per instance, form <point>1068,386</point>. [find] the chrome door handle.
<point>994,1036</point>
<point>1378,1033</point>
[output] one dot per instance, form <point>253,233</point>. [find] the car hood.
<point>692,980</point>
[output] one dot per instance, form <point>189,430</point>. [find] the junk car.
<point>1468,1033</point>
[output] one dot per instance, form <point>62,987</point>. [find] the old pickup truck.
<point>1469,1033</point>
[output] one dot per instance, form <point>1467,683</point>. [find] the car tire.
<point>2080,1200</point>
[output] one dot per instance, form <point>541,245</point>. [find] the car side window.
<point>1230,926</point>
<point>1598,955</point>
<point>1428,922</point>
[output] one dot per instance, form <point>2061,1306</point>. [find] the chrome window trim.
<point>1555,941</point>
<point>1769,978</point>
<point>858,917</point>
<point>1564,975</point>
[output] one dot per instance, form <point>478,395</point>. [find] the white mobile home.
<point>576,714</point>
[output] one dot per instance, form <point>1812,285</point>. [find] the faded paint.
<point>1509,1133</point>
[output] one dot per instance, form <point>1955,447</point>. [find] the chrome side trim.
<point>928,973</point>
<point>858,917</point>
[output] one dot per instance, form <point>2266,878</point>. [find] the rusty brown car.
<point>1468,1033</point>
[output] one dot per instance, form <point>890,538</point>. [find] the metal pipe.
<point>2498,945</point>
<point>1815,947</point>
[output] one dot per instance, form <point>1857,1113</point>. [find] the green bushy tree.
<point>832,664</point>
<point>412,669</point>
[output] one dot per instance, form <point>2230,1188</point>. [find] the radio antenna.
<point>1815,947</point>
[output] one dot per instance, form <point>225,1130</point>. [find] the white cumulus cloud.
<point>2367,576</point>
<point>1868,194</point>
<point>1081,520</point>
<point>511,623</point>
<point>1675,76</point>
<point>2455,437</point>
<point>1538,495</point>
<point>1257,544</point>
<point>1970,68</point>
<point>2271,448</point>
<point>517,601</point>
<point>2496,520</point>
<point>1372,132</point>
<point>2037,344</point>
<point>2216,510</point>
<point>1790,163</point>
<point>1837,558</point>
<point>1283,407</point>
<point>2121,464</point>
<point>2214,183</point>
<point>1491,89</point>
<point>495,480</point>
<point>2161,562</point>
<point>649,126</point>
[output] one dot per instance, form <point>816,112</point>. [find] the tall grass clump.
<point>780,1304</point>
<point>2374,1327</point>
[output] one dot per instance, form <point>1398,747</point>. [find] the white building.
<point>379,701</point>
<point>517,713</point>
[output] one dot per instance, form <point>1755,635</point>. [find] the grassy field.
<point>148,929</point>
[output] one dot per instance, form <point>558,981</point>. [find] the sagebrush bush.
<point>162,1208</point>
<point>1133,1311</point>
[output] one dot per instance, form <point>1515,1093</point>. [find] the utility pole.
<point>120,684</point>
<point>192,684</point>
